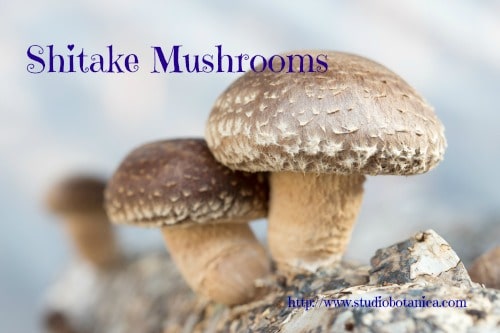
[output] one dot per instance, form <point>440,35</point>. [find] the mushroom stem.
<point>220,261</point>
<point>93,238</point>
<point>311,217</point>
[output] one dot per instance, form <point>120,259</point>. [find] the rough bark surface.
<point>423,267</point>
<point>135,297</point>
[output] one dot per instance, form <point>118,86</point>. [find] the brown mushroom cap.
<point>486,269</point>
<point>178,181</point>
<point>357,117</point>
<point>77,194</point>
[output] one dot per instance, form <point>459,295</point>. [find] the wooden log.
<point>143,297</point>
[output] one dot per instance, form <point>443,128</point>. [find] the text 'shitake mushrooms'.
<point>202,208</point>
<point>319,134</point>
<point>80,201</point>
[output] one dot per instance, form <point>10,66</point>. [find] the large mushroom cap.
<point>76,194</point>
<point>176,181</point>
<point>357,117</point>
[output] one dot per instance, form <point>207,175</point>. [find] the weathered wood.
<point>423,267</point>
<point>136,296</point>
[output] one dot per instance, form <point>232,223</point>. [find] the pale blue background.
<point>51,125</point>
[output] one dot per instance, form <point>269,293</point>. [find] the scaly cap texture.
<point>176,181</point>
<point>357,117</point>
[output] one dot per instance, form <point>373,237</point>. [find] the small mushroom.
<point>319,134</point>
<point>486,268</point>
<point>202,208</point>
<point>57,322</point>
<point>79,200</point>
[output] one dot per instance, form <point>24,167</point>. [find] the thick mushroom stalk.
<point>308,238</point>
<point>219,261</point>
<point>79,200</point>
<point>93,238</point>
<point>202,208</point>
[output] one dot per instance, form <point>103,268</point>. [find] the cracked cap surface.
<point>178,181</point>
<point>357,117</point>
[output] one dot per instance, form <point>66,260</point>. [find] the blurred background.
<point>52,125</point>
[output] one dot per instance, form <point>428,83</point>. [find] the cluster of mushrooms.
<point>290,147</point>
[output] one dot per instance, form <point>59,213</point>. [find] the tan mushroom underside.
<point>219,261</point>
<point>93,238</point>
<point>311,218</point>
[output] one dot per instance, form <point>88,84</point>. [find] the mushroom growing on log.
<point>319,134</point>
